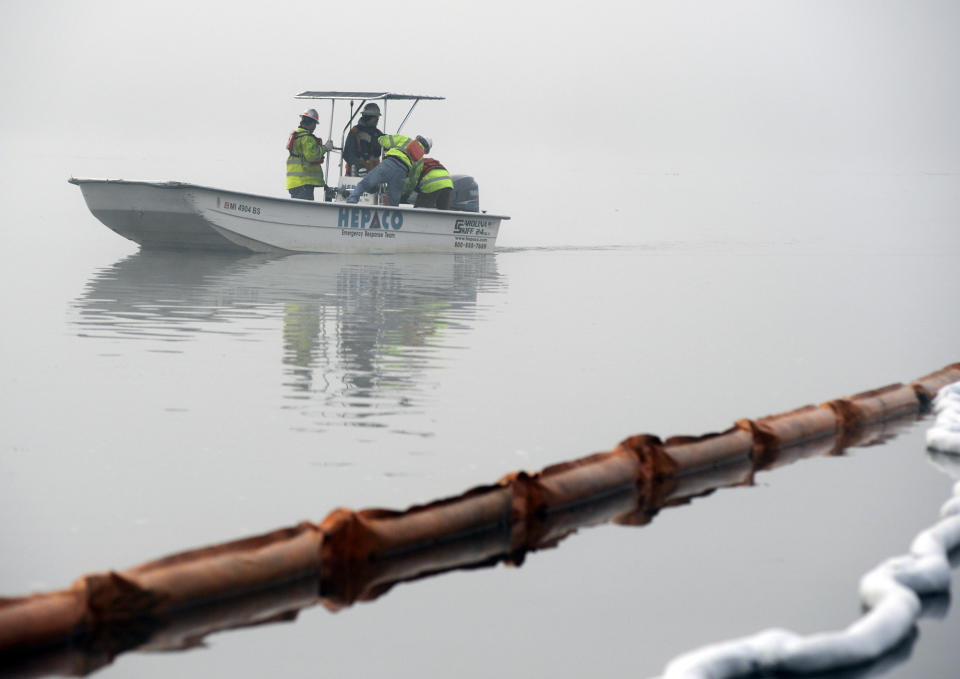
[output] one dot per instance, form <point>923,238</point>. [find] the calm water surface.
<point>156,402</point>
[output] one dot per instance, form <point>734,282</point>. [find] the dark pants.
<point>302,192</point>
<point>439,199</point>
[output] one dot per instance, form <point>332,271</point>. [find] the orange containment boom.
<point>359,555</point>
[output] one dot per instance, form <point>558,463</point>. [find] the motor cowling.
<point>466,193</point>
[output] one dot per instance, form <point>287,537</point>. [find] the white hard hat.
<point>311,113</point>
<point>425,142</point>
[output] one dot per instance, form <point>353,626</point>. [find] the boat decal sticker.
<point>367,233</point>
<point>473,227</point>
<point>470,242</point>
<point>369,218</point>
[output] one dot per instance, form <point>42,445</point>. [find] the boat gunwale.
<point>173,184</point>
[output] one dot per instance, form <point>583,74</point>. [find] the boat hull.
<point>269,225</point>
<point>153,214</point>
<point>186,216</point>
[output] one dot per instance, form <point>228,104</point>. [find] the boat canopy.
<point>387,96</point>
<point>334,96</point>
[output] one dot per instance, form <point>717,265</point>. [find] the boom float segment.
<point>796,427</point>
<point>878,405</point>
<point>890,592</point>
<point>928,386</point>
<point>359,555</point>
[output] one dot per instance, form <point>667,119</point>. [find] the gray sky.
<point>537,93</point>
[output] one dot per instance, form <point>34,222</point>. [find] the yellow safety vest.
<point>435,178</point>
<point>399,147</point>
<point>305,162</point>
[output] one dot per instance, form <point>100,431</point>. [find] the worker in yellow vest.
<point>432,182</point>
<point>400,153</point>
<point>305,159</point>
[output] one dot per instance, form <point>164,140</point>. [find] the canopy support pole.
<point>326,171</point>
<point>404,121</point>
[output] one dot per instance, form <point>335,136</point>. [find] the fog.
<point>718,210</point>
<point>576,109</point>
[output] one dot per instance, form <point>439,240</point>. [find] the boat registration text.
<point>238,207</point>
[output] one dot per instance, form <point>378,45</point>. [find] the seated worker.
<point>434,187</point>
<point>361,152</point>
<point>401,153</point>
<point>305,159</point>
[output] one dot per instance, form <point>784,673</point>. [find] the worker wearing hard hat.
<point>305,159</point>
<point>361,152</point>
<point>432,182</point>
<point>401,153</point>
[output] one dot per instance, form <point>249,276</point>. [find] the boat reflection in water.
<point>358,330</point>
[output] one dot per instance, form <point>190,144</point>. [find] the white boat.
<point>179,215</point>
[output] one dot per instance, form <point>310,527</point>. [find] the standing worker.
<point>361,150</point>
<point>401,153</point>
<point>434,187</point>
<point>305,162</point>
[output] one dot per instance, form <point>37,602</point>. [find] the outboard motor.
<point>466,193</point>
